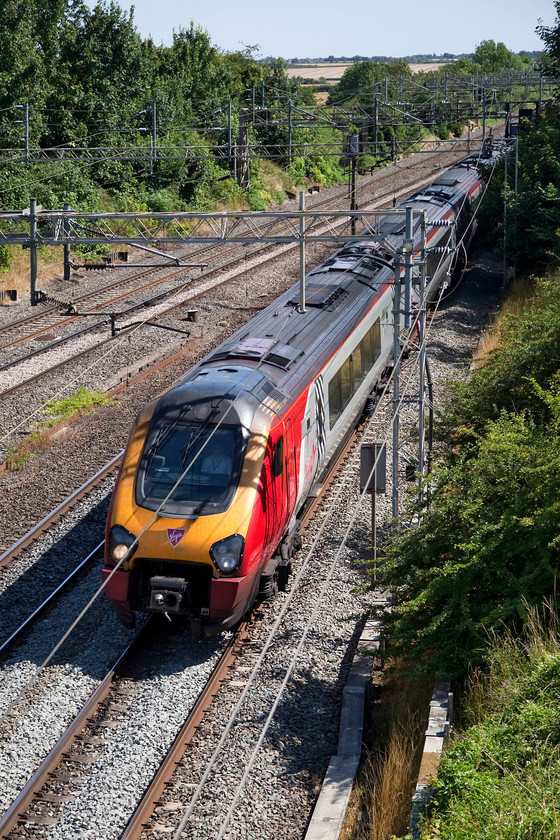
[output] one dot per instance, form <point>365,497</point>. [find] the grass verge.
<point>500,779</point>
<point>519,296</point>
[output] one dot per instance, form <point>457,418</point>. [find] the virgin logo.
<point>175,535</point>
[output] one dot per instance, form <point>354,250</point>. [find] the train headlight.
<point>228,553</point>
<point>120,544</point>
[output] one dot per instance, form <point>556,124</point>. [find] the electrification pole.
<point>153,156</point>
<point>402,322</point>
<point>302,253</point>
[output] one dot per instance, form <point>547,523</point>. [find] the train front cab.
<point>194,540</point>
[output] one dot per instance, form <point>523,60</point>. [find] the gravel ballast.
<point>281,790</point>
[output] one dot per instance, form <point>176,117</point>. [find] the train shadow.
<point>312,702</point>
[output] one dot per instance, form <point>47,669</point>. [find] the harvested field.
<point>333,72</point>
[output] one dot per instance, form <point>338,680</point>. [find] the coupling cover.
<point>166,594</point>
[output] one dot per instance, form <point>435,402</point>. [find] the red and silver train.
<point>204,514</point>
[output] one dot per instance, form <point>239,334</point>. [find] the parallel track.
<point>201,285</point>
<point>35,533</point>
<point>137,826</point>
<point>37,324</point>
<point>36,803</point>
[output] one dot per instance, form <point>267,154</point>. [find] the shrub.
<point>488,542</point>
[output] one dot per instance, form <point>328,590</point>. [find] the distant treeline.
<point>410,59</point>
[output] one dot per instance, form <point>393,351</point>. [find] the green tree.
<point>196,76</point>
<point>551,38</point>
<point>491,57</point>
<point>22,69</point>
<point>102,64</point>
<point>487,545</point>
<point>533,213</point>
<point>361,81</point>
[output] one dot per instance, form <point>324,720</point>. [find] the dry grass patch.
<point>520,293</point>
<point>35,443</point>
<point>393,742</point>
<point>80,404</point>
<point>18,275</point>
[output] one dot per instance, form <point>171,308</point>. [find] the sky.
<point>309,28</point>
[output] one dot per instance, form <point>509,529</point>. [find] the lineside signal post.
<point>373,466</point>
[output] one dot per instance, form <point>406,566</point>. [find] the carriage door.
<point>290,462</point>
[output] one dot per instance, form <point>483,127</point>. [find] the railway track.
<point>146,821</point>
<point>313,690</point>
<point>264,804</point>
<point>36,324</point>
<point>27,370</point>
<point>50,788</point>
<point>91,730</point>
<point>59,511</point>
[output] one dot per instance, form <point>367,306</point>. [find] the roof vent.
<point>318,295</point>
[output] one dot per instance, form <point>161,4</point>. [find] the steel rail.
<point>55,514</point>
<point>145,808</point>
<point>22,631</point>
<point>16,811</point>
<point>149,801</point>
<point>53,324</point>
<point>274,252</point>
<point>82,299</point>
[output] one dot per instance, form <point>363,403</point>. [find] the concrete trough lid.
<point>330,810</point>
<point>437,735</point>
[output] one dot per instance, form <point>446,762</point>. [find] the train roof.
<point>290,348</point>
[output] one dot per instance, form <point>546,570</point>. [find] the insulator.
<point>95,266</point>
<point>442,249</point>
<point>57,301</point>
<point>442,223</point>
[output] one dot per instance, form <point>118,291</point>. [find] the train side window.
<point>370,346</point>
<point>358,373</point>
<point>376,340</point>
<point>278,458</point>
<point>367,351</point>
<point>353,371</point>
<point>346,382</point>
<point>335,398</point>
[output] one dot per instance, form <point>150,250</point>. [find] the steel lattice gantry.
<point>34,227</point>
<point>393,102</point>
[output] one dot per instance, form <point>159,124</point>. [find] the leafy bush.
<point>257,199</point>
<point>320,170</point>
<point>83,400</point>
<point>527,352</point>
<point>488,542</point>
<point>163,201</point>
